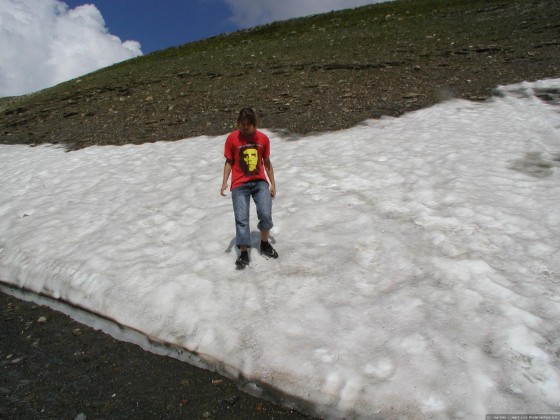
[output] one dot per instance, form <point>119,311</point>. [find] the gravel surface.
<point>54,367</point>
<point>327,72</point>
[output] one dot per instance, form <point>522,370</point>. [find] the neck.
<point>248,135</point>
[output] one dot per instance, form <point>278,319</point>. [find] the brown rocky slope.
<point>314,74</point>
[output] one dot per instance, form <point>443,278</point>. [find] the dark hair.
<point>249,115</point>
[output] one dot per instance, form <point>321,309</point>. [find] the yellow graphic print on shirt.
<point>249,160</point>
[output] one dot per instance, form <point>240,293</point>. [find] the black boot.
<point>243,259</point>
<point>267,250</point>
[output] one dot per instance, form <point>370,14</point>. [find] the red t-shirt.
<point>247,154</point>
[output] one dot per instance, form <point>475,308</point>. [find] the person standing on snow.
<point>247,153</point>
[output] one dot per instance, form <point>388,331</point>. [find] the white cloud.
<point>247,13</point>
<point>43,43</point>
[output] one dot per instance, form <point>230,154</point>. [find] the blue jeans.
<point>241,195</point>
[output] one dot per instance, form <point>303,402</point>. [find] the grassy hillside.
<point>314,74</point>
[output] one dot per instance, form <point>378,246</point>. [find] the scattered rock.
<point>232,400</point>
<point>18,361</point>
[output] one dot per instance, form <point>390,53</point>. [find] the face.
<point>246,128</point>
<point>251,158</point>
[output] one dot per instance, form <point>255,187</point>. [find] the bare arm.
<point>270,173</point>
<point>227,172</point>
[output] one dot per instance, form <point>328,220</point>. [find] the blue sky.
<point>161,24</point>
